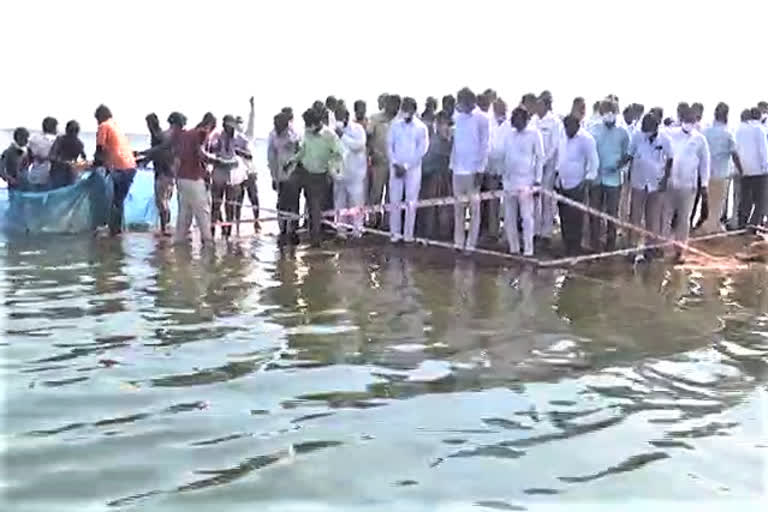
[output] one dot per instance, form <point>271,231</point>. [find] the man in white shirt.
<point>523,161</point>
<point>752,147</point>
<point>468,160</point>
<point>651,154</point>
<point>722,149</point>
<point>551,130</point>
<point>349,187</point>
<point>39,148</point>
<point>690,164</point>
<point>492,180</point>
<point>407,144</point>
<point>577,167</point>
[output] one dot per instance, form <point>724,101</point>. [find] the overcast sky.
<point>162,55</point>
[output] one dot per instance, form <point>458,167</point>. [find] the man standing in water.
<point>612,148</point>
<point>690,164</point>
<point>378,130</point>
<point>468,160</point>
<point>406,145</point>
<point>523,162</point>
<point>194,200</point>
<point>161,154</point>
<point>282,145</point>
<point>349,191</point>
<point>551,130</point>
<point>577,168</point>
<point>431,220</point>
<point>244,143</point>
<point>114,152</point>
<point>39,150</point>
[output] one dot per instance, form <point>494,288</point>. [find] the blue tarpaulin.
<point>81,207</point>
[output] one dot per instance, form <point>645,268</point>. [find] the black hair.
<point>721,110</point>
<point>208,119</point>
<point>177,119</point>
<point>756,114</point>
<point>49,125</point>
<point>358,105</point>
<point>20,132</point>
<point>72,129</point>
<point>746,115</point>
<point>103,112</point>
<point>520,111</point>
<point>579,100</point>
<point>409,102</point>
<point>311,117</point>
<point>528,98</point>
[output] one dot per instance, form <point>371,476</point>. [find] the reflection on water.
<point>142,377</point>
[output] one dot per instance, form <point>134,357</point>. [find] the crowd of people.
<point>656,172</point>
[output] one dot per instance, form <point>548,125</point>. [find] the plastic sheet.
<point>81,207</point>
<point>139,210</point>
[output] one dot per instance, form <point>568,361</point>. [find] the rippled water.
<point>139,377</point>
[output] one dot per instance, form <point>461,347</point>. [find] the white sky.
<point>161,55</point>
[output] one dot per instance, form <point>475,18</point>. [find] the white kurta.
<point>407,144</point>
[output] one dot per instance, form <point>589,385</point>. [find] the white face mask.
<point>687,127</point>
<point>764,117</point>
<point>609,118</point>
<point>340,125</point>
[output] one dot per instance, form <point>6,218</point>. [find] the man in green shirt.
<point>320,157</point>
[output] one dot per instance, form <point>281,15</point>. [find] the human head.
<point>500,110</point>
<point>721,113</point>
<point>360,110</point>
<point>341,114</point>
<point>443,126</point>
<point>698,111</point>
<point>484,102</point>
<point>382,101</point>
<point>628,115</point>
<point>288,111</point>
<point>177,120</point>
<point>229,124</point>
<point>21,136</point>
<point>102,114</point>
<point>153,123</point>
<point>312,120</point>
<point>572,125</point>
<point>579,108</point>
<point>608,110</point>
<point>639,110</point>
<point>687,119</point>
<point>280,122</point>
<point>491,94</point>
<point>540,108</point>
<point>72,129</point>
<point>208,122</point>
<point>449,104</point>
<point>50,125</point>
<point>650,124</point>
<point>658,112</point>
<point>596,107</point>
<point>756,114</point>
<point>763,106</point>
<point>546,98</point>
<point>331,102</point>
<point>682,107</point>
<point>430,105</point>
<point>318,106</point>
<point>393,105</point>
<point>529,102</point>
<point>466,100</point>
<point>408,108</point>
<point>519,118</point>
<point>746,115</point>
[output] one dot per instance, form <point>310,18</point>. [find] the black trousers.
<point>605,199</point>
<point>572,219</point>
<point>121,180</point>
<point>288,193</point>
<point>317,191</point>
<point>253,194</point>
<point>752,208</point>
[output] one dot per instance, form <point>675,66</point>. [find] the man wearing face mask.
<point>651,154</point>
<point>523,163</point>
<point>468,160</point>
<point>577,167</point>
<point>612,148</point>
<point>751,145</point>
<point>722,149</point>
<point>349,188</point>
<point>407,144</point>
<point>690,164</point>
<point>320,156</point>
<point>378,130</point>
<point>551,130</point>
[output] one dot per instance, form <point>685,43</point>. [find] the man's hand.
<point>250,101</point>
<point>399,170</point>
<point>274,186</point>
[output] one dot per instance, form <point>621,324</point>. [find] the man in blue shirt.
<point>612,150</point>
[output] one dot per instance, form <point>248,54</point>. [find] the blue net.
<point>81,207</point>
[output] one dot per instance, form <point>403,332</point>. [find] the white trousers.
<point>409,186</point>
<point>678,201</point>
<point>524,200</point>
<point>194,202</point>
<point>545,205</point>
<point>350,193</point>
<point>718,193</point>
<point>464,184</point>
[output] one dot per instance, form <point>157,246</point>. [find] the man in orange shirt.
<point>114,152</point>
